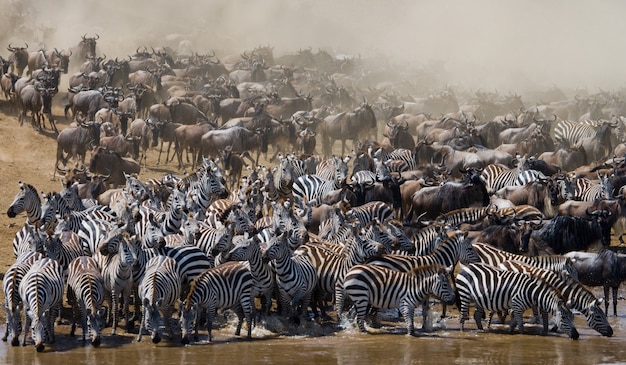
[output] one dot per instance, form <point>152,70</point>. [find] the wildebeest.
<point>38,100</point>
<point>113,165</point>
<point>188,137</point>
<point>355,125</point>
<point>432,201</point>
<point>75,141</point>
<point>88,103</point>
<point>564,234</point>
<point>124,145</point>
<point>86,47</point>
<point>240,139</point>
<point>605,268</point>
<point>18,59</point>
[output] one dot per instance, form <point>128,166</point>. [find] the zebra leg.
<point>479,314</point>
<point>425,307</point>
<point>408,311</point>
<point>142,323</point>
<point>115,310</point>
<point>6,328</point>
<point>517,319</point>
<point>239,312</point>
<point>211,312</point>
<point>361,312</point>
<point>544,320</point>
<point>27,326</point>
<point>127,321</point>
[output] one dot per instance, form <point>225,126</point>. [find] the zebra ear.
<point>599,301</point>
<point>146,302</point>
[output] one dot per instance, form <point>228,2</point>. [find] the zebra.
<point>587,190</point>
<point>332,265</point>
<point>471,215</point>
<point>296,276</point>
<point>332,169</point>
<point>28,238</point>
<point>212,240</point>
<point>86,294</point>
<point>148,228</point>
<point>369,211</point>
<point>497,177</point>
<point>206,189</point>
<point>568,133</point>
<point>159,289</point>
<point>116,259</point>
<point>577,295</point>
<point>499,290</point>
<point>41,290</point>
<point>381,288</point>
<point>63,247</point>
<point>226,286</point>
<point>55,205</point>
<point>312,188</point>
<point>13,301</point>
<point>262,273</point>
<point>427,239</point>
<point>452,250</point>
<point>91,232</point>
<point>26,200</point>
<point>494,256</point>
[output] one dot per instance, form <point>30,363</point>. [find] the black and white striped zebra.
<point>381,288</point>
<point>12,299</point>
<point>497,177</point>
<point>41,290</point>
<point>28,238</point>
<point>494,289</point>
<point>262,273</point>
<point>86,294</point>
<point>587,190</point>
<point>159,289</point>
<point>494,257</point>
<point>370,211</point>
<point>26,200</point>
<point>333,168</point>
<point>579,297</point>
<point>569,133</point>
<point>312,188</point>
<point>222,287</point>
<point>91,232</point>
<point>427,239</point>
<point>206,189</point>
<point>116,260</point>
<point>212,240</point>
<point>63,247</point>
<point>54,205</point>
<point>470,215</point>
<point>296,276</point>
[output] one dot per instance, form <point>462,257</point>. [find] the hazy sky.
<point>511,45</point>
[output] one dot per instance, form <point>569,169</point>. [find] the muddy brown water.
<point>329,343</point>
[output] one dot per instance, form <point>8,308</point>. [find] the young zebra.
<point>296,275</point>
<point>28,239</point>
<point>381,288</point>
<point>41,290</point>
<point>500,290</point>
<point>573,291</point>
<point>494,256</point>
<point>86,294</point>
<point>13,301</point>
<point>116,260</point>
<point>222,287</point>
<point>158,290</point>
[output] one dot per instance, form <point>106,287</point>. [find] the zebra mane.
<point>429,269</point>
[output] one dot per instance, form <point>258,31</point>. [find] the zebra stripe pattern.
<point>13,301</point>
<point>381,288</point>
<point>568,133</point>
<point>222,287</point>
<point>86,294</point>
<point>494,257</point>
<point>587,190</point>
<point>457,217</point>
<point>499,290</point>
<point>26,200</point>
<point>580,297</point>
<point>497,177</point>
<point>296,276</point>
<point>159,290</point>
<point>370,211</point>
<point>116,260</point>
<point>41,290</point>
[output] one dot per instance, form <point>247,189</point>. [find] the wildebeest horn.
<point>84,36</point>
<point>97,37</point>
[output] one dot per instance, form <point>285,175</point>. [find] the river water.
<point>312,343</point>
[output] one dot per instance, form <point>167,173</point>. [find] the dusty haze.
<point>509,46</point>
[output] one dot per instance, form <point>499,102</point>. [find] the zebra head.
<point>153,236</point>
<point>38,329</point>
<point>596,318</point>
<point>26,200</point>
<point>36,238</point>
<point>467,253</point>
<point>442,287</point>
<point>152,318</point>
<point>240,221</point>
<point>277,248</point>
<point>187,318</point>
<point>564,320</point>
<point>95,323</point>
<point>14,323</point>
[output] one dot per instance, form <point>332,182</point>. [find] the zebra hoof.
<point>15,342</point>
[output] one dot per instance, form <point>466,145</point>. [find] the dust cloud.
<point>488,44</point>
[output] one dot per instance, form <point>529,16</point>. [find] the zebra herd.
<point>187,247</point>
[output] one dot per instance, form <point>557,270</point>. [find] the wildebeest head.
<point>602,218</point>
<point>87,46</point>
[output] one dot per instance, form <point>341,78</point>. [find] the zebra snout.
<point>39,347</point>
<point>95,342</point>
<point>156,339</point>
<point>185,340</point>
